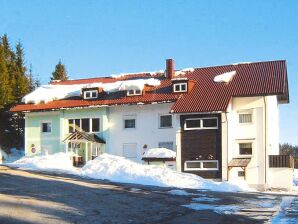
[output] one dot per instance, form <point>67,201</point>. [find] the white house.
<point>222,121</point>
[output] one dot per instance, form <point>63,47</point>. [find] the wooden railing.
<point>281,161</point>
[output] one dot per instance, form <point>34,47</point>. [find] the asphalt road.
<point>32,197</point>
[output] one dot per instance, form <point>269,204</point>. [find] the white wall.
<point>147,129</point>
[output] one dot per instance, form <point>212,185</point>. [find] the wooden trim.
<point>281,161</point>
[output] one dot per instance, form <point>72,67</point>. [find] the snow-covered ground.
<point>14,155</point>
<point>119,169</point>
<point>295,177</point>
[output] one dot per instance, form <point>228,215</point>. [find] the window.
<point>180,87</point>
<point>201,165</point>
<point>90,94</point>
<point>167,145</point>
<point>46,127</point>
<point>241,174</point>
<point>84,125</point>
<point>95,124</point>
<point>130,150</point>
<point>46,150</point>
<point>134,92</point>
<point>129,122</point>
<point>165,121</point>
<point>200,123</point>
<point>245,148</point>
<point>245,118</point>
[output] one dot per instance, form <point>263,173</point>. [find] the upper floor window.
<point>134,92</point>
<point>180,87</point>
<point>90,94</point>
<point>245,148</point>
<point>245,118</point>
<point>200,123</point>
<point>84,124</point>
<point>165,121</point>
<point>129,122</point>
<point>46,127</point>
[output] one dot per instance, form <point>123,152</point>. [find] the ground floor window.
<point>245,148</point>
<point>193,165</point>
<point>130,150</point>
<point>167,145</point>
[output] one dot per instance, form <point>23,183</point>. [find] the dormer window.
<point>90,94</point>
<point>180,87</point>
<point>134,92</point>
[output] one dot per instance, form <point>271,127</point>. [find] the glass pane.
<point>210,123</point>
<point>70,126</point>
<point>46,127</point>
<point>95,125</point>
<point>194,123</point>
<point>130,123</point>
<point>87,94</point>
<point>165,121</point>
<point>85,125</point>
<point>130,92</point>
<point>77,125</point>
<point>212,165</point>
<point>94,94</point>
<point>196,165</point>
<point>167,145</point>
<point>177,88</point>
<point>245,148</point>
<point>138,91</point>
<point>183,87</point>
<point>245,118</point>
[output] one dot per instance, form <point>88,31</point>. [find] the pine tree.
<point>5,88</point>
<point>60,72</point>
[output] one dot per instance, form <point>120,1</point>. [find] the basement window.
<point>134,92</point>
<point>90,94</point>
<point>193,165</point>
<point>180,87</point>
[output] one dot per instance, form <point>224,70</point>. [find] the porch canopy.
<point>91,145</point>
<point>239,162</point>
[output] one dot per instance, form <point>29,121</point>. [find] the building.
<point>222,121</point>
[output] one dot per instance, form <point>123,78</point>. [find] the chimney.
<point>170,70</point>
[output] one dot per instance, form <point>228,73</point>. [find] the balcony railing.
<point>281,161</point>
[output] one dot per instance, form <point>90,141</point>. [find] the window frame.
<point>134,92</point>
<point>91,92</point>
<point>201,165</point>
<point>248,112</point>
<point>201,123</point>
<point>159,121</point>
<point>180,87</point>
<point>41,127</point>
<point>129,117</point>
<point>245,155</point>
<point>81,129</point>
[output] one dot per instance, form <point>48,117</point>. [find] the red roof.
<point>251,79</point>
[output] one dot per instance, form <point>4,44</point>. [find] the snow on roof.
<point>47,93</point>
<point>225,77</point>
<point>184,71</point>
<point>241,63</point>
<point>159,153</point>
<point>121,75</point>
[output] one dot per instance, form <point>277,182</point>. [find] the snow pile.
<point>14,155</point>
<point>295,177</point>
<point>47,93</point>
<point>119,169</point>
<point>121,75</point>
<point>159,153</point>
<point>220,209</point>
<point>225,77</point>
<point>55,162</point>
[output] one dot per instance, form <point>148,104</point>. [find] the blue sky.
<point>98,38</point>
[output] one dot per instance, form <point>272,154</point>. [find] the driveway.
<point>33,197</point>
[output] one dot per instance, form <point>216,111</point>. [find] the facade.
<point>222,121</point>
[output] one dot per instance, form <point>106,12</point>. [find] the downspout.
<point>265,108</point>
<point>227,145</point>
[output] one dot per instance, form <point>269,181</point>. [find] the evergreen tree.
<point>60,72</point>
<point>5,88</point>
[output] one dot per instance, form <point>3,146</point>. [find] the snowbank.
<point>119,169</point>
<point>57,162</point>
<point>295,177</point>
<point>47,93</point>
<point>14,155</point>
<point>225,77</point>
<point>159,153</point>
